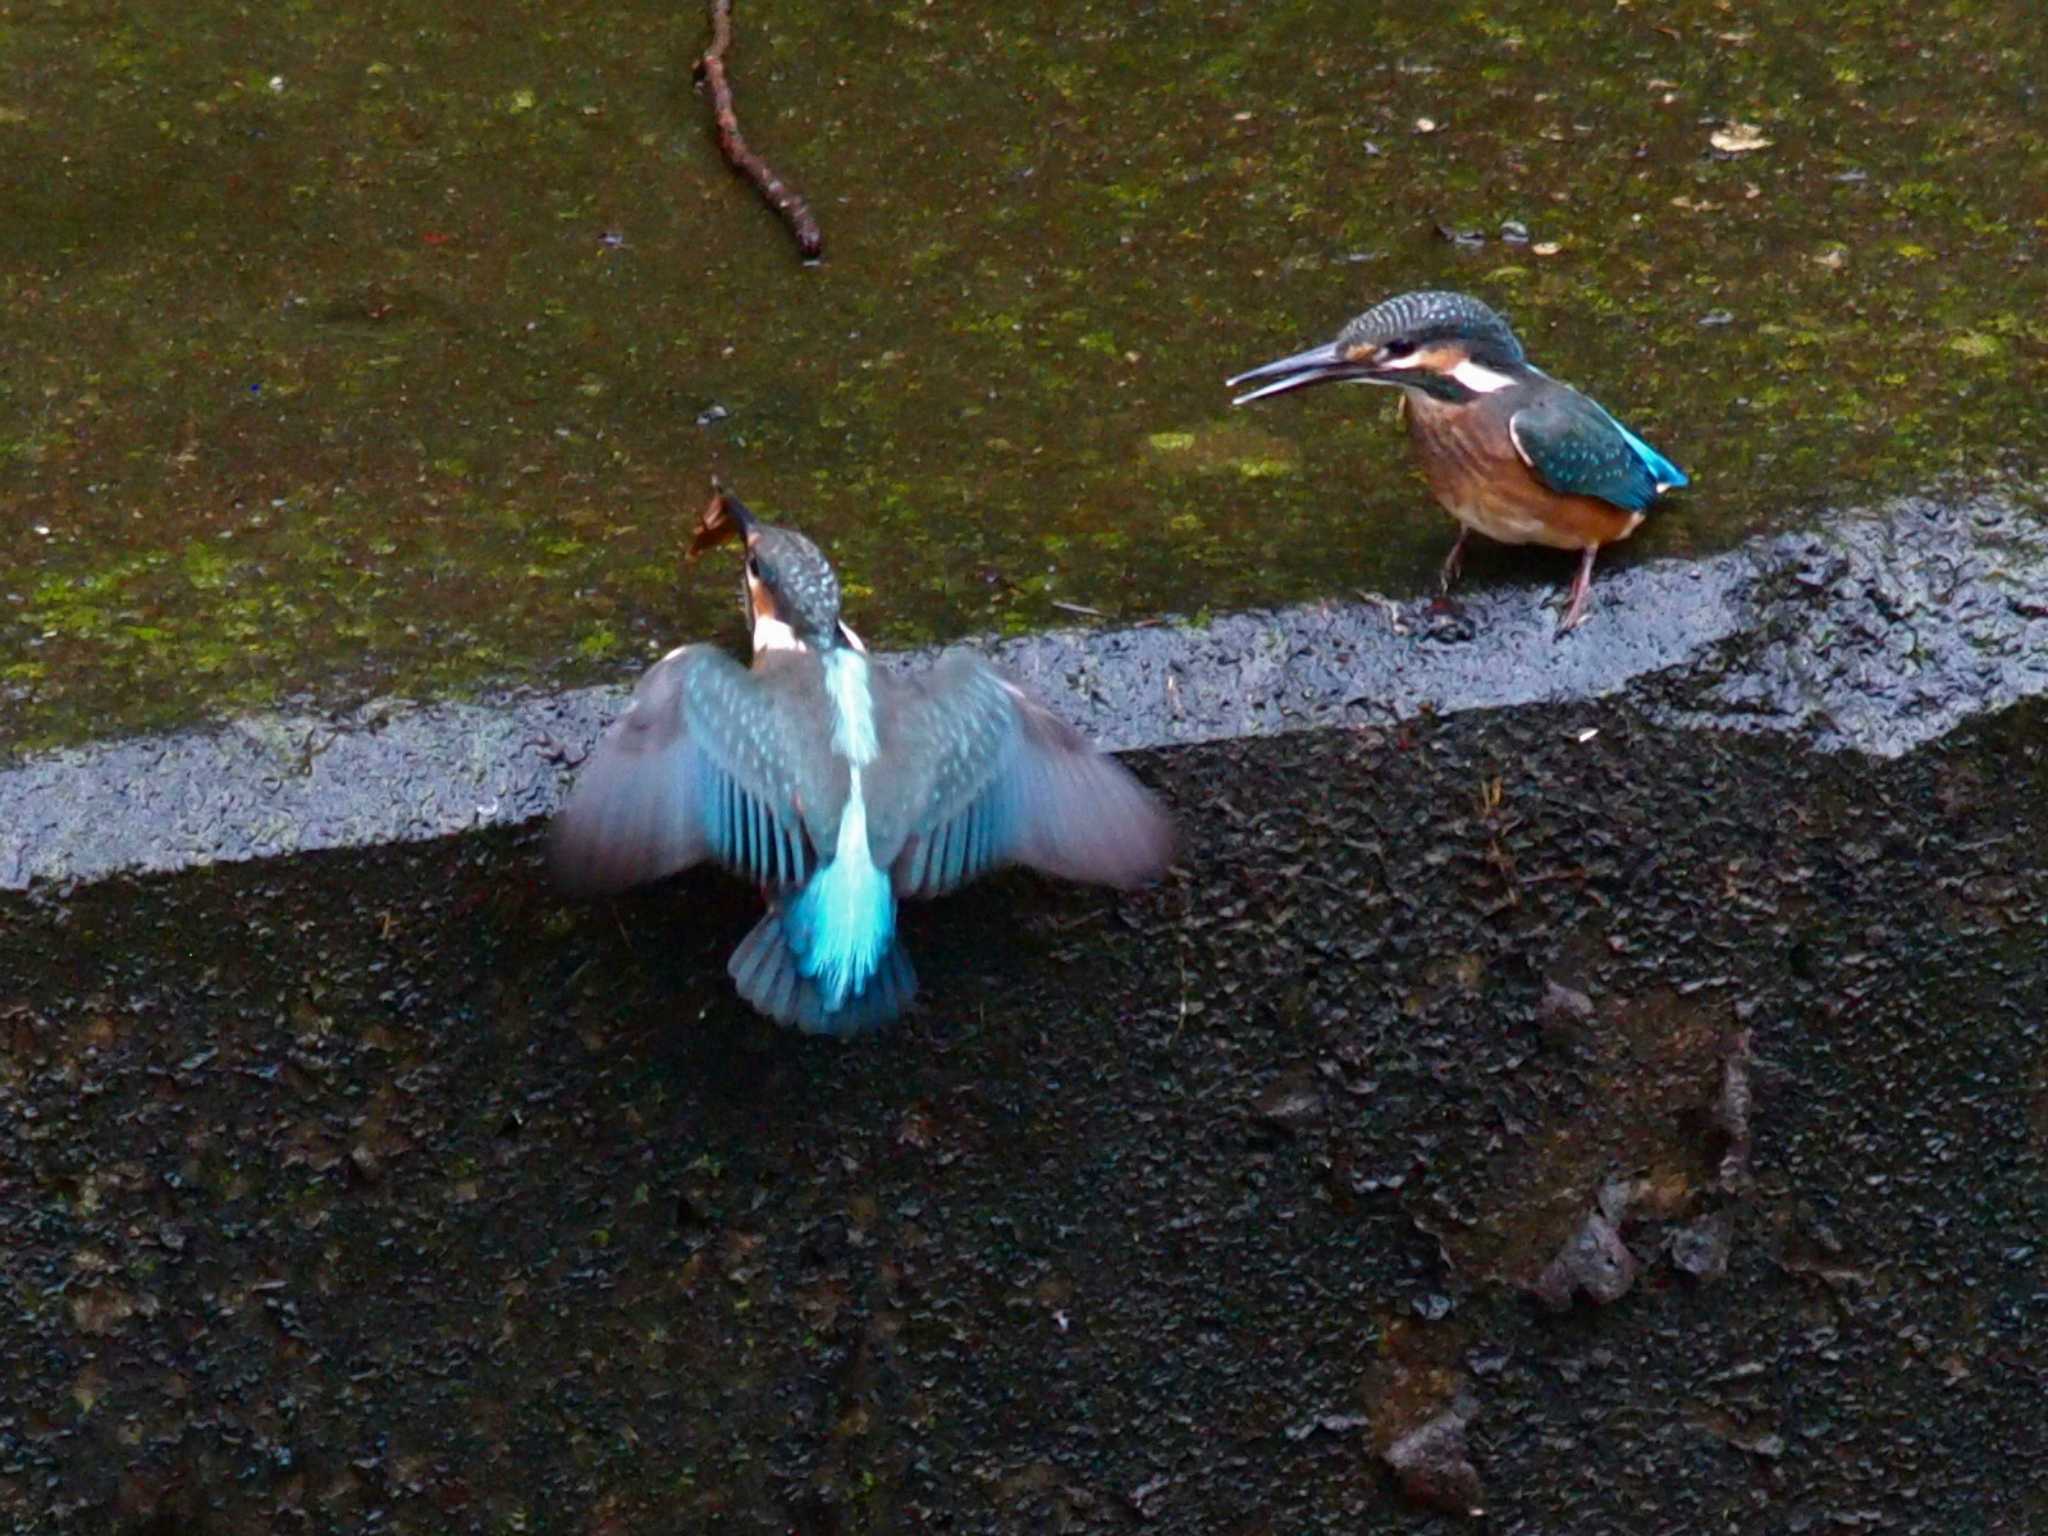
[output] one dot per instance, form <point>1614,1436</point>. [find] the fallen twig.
<point>778,194</point>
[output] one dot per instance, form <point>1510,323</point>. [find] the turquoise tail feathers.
<point>841,924</point>
<point>1667,474</point>
<point>769,976</point>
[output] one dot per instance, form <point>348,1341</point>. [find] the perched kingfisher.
<point>1507,449</point>
<point>840,787</point>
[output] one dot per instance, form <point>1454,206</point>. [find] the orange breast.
<point>1474,471</point>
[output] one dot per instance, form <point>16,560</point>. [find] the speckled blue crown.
<point>1435,315</point>
<point>802,576</point>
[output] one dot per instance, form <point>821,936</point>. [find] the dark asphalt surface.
<point>386,1191</point>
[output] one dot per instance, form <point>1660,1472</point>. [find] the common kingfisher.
<point>1507,449</point>
<point>839,787</point>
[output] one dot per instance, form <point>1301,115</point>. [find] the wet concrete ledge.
<point>1877,632</point>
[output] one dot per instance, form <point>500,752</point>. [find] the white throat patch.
<point>771,634</point>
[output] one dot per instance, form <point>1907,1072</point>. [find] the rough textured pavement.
<point>386,1191</point>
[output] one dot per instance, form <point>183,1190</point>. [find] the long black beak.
<point>1318,365</point>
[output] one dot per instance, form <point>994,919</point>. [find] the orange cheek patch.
<point>758,596</point>
<point>1439,359</point>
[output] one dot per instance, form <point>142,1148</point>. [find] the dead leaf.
<point>1738,138</point>
<point>1594,1260</point>
<point>1433,1465</point>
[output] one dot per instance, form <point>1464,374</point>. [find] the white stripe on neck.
<point>1479,378</point>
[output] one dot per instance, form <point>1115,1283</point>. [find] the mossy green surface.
<point>364,348</point>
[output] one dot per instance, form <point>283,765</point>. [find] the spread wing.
<point>996,778</point>
<point>701,765</point>
<point>1577,449</point>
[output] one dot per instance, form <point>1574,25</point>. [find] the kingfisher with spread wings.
<point>840,787</point>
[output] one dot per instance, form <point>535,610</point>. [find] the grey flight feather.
<point>996,778</point>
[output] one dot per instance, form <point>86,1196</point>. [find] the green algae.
<point>355,352</point>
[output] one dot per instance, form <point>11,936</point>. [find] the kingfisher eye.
<point>754,566</point>
<point>1397,348</point>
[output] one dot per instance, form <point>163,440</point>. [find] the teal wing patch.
<point>699,766</point>
<point>749,751</point>
<point>1577,449</point>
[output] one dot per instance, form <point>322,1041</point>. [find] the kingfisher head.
<point>790,593</point>
<point>1445,344</point>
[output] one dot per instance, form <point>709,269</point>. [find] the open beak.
<point>1318,365</point>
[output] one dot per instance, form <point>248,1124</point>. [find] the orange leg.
<point>1582,584</point>
<point>1454,562</point>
